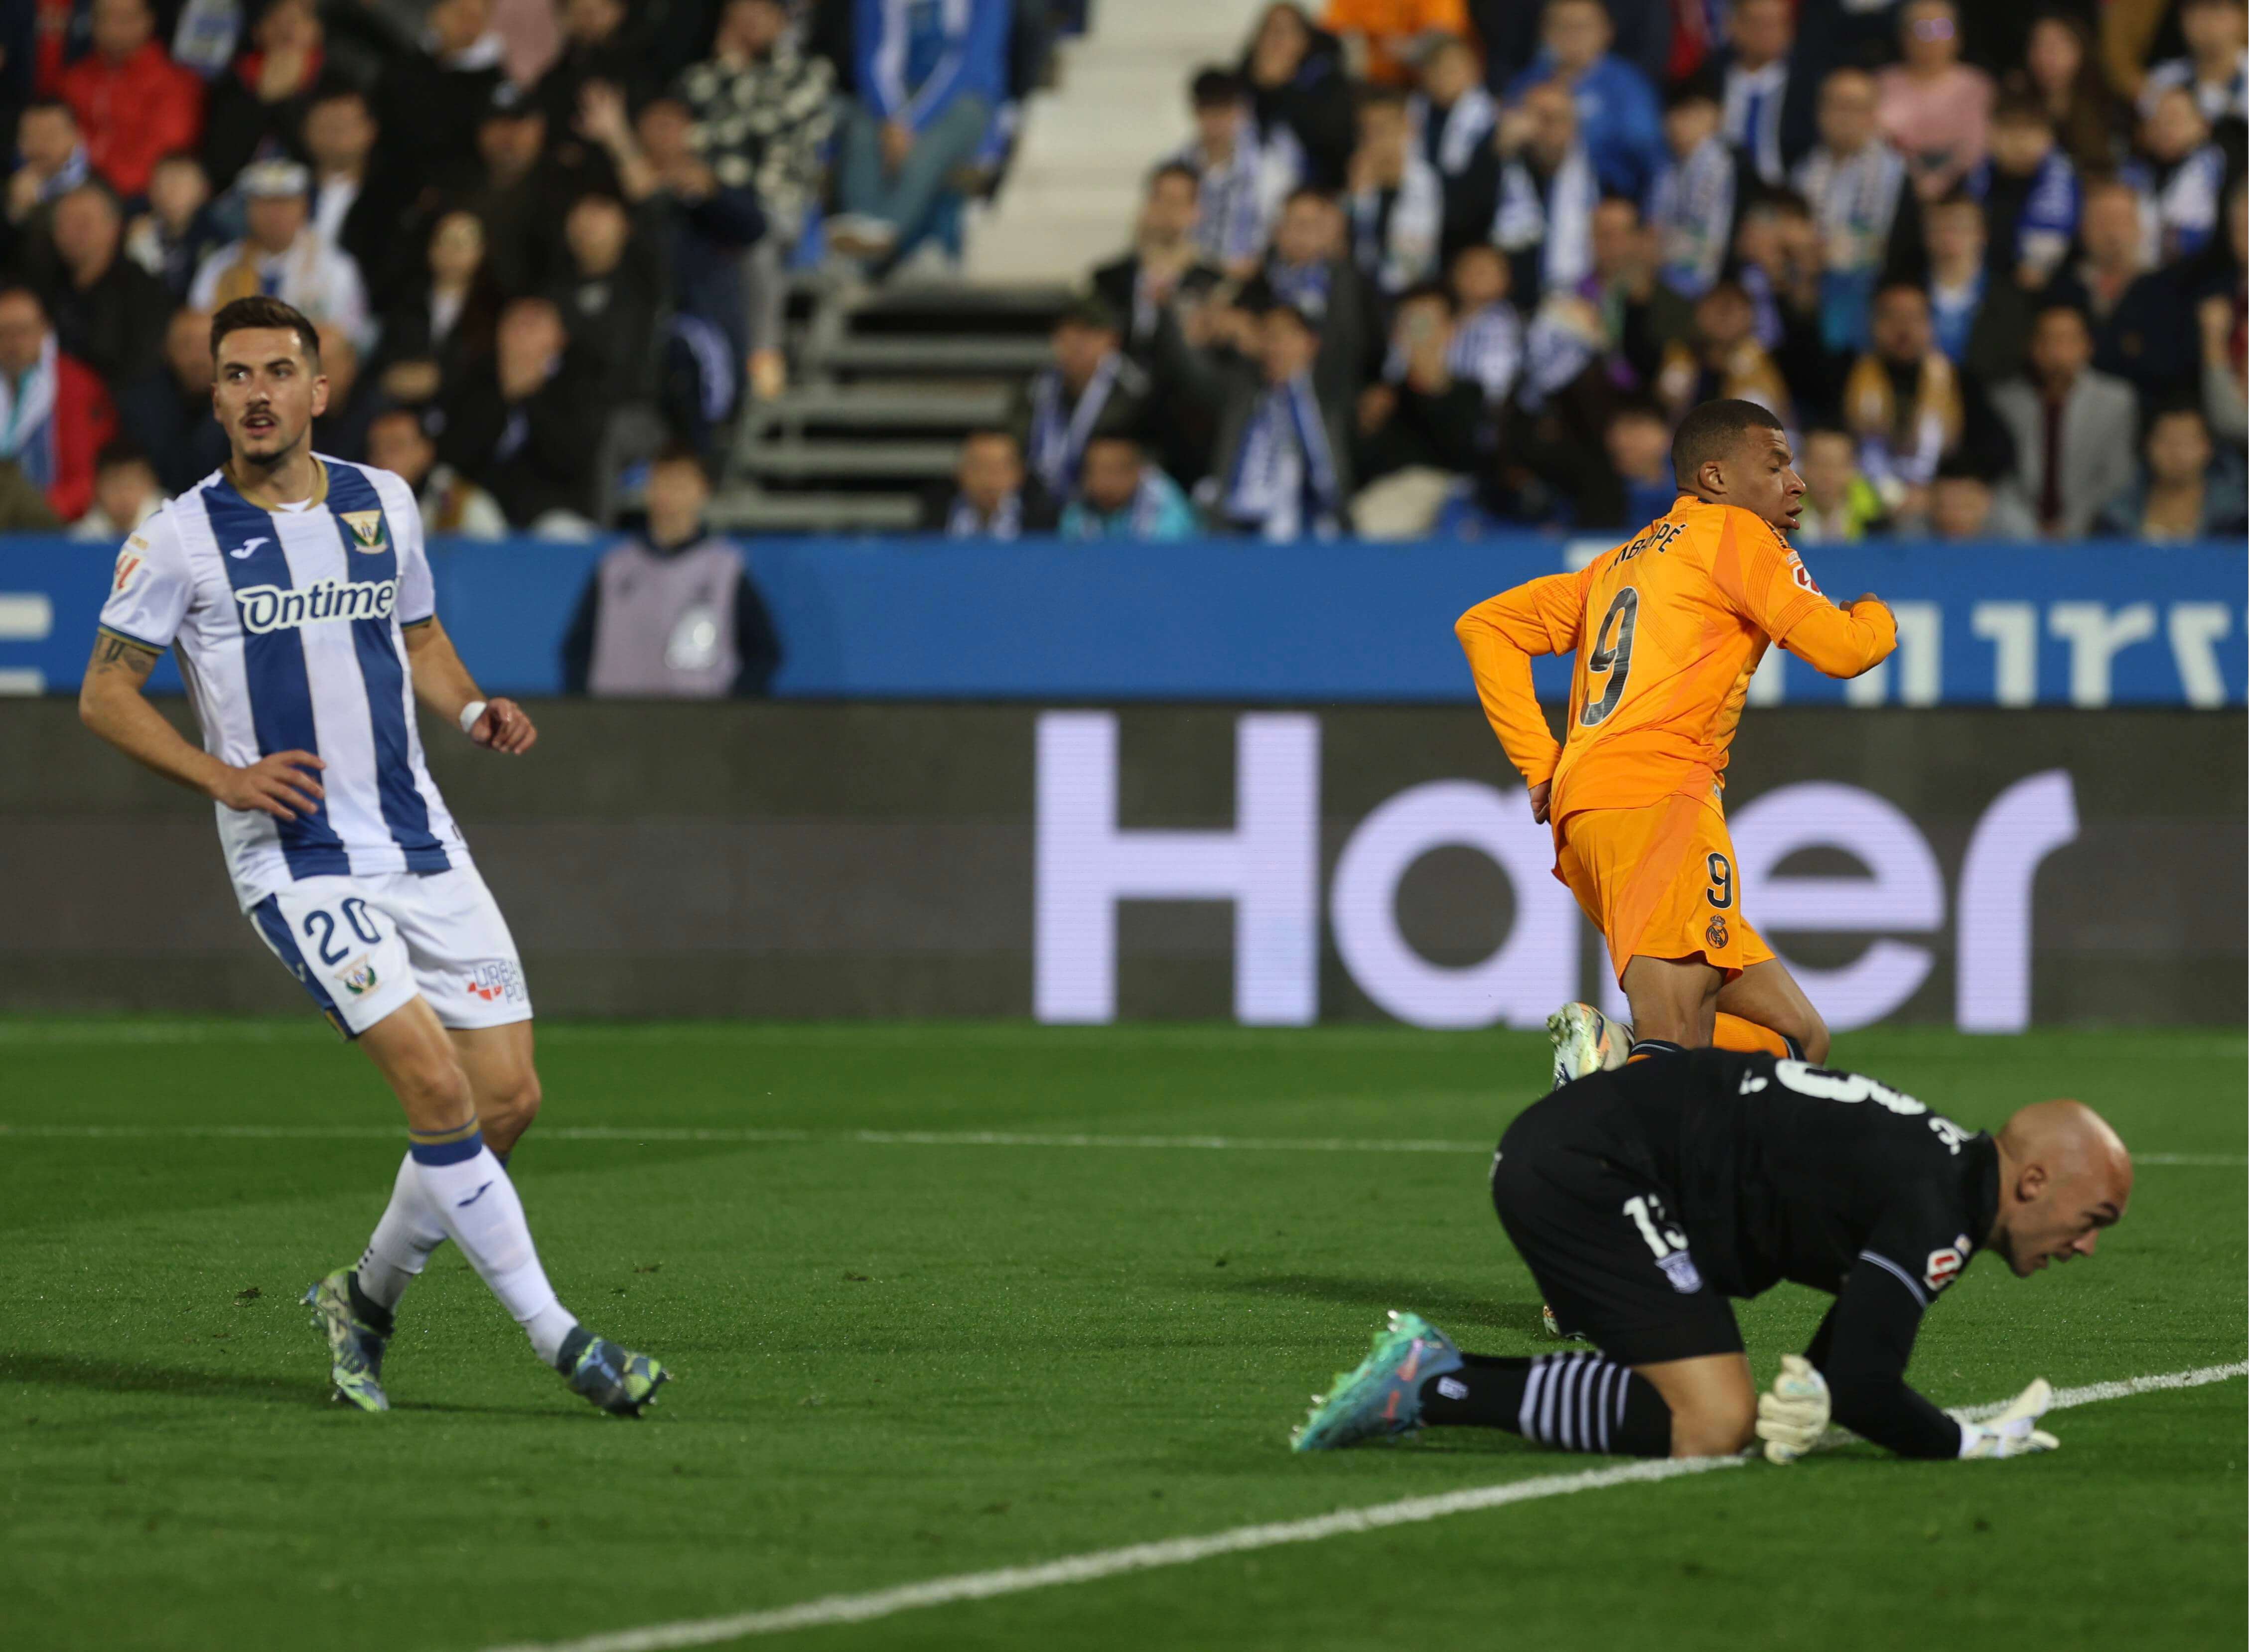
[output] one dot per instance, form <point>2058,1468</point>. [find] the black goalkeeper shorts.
<point>1600,1239</point>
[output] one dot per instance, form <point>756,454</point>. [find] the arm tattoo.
<point>115,654</point>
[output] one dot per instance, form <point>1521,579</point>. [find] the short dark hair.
<point>119,451</point>
<point>1712,431</point>
<point>260,311</point>
<point>2020,109</point>
<point>990,433</point>
<point>48,106</point>
<point>1435,292</point>
<point>676,451</point>
<point>1174,170</point>
<point>1216,89</point>
<point>1090,313</point>
<point>1382,97</point>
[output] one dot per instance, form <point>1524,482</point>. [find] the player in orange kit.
<point>1668,630</point>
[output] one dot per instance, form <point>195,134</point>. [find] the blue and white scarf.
<point>1058,443</point>
<point>1691,210</point>
<point>1300,287</point>
<point>27,416</point>
<point>1284,483</point>
<point>1005,522</point>
<point>1561,218</point>
<point>1464,129</point>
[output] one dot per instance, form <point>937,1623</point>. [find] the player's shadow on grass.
<point>127,1376</point>
<point>124,1376</point>
<point>1451,1310</point>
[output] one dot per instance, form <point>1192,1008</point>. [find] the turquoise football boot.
<point>1382,1398</point>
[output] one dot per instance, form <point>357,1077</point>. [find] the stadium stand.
<point>821,242</point>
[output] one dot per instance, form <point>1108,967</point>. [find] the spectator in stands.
<point>2072,427</point>
<point>1853,181</point>
<point>257,107</point>
<point>1090,387</point>
<point>1381,38</point>
<point>526,425</point>
<point>1903,401</point>
<point>1978,315</point>
<point>1840,506</point>
<point>2222,318</point>
<point>1935,108</point>
<point>1299,94</point>
<point>603,43</point>
<point>2140,332</point>
<point>1640,486</point>
<point>133,104</point>
<point>23,508</point>
<point>172,239</point>
<point>1164,263</point>
<point>1487,332</point>
<point>608,295</point>
<point>1397,204</point>
<point>52,160</point>
<point>1417,429</point>
<point>1122,496</point>
<point>450,503</point>
<point>2180,175</point>
<point>440,325</point>
<point>2186,489</point>
<point>1618,118</point>
<point>55,415</point>
<point>1768,108</point>
<point>358,206</point>
<point>762,111</point>
<point>1455,117</point>
<point>126,493</point>
<point>1722,358</point>
<point>2061,72</point>
<point>284,257</point>
<point>1691,208</point>
<point>672,613</point>
<point>1244,179</point>
<point>929,78</point>
<point>1282,470</point>
<point>171,419</point>
<point>1963,506</point>
<point>2216,67</point>
<point>1309,270</point>
<point>1547,192</point>
<point>430,99</point>
<point>107,311</point>
<point>991,496</point>
<point>518,197</point>
<point>702,228</point>
<point>2028,187</point>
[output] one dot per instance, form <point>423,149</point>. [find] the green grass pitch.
<point>906,1360</point>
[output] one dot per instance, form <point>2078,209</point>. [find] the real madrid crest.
<point>366,530</point>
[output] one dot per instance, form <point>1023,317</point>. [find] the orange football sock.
<point>1733,1033</point>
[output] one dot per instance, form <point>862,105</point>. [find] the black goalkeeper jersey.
<point>1831,1180</point>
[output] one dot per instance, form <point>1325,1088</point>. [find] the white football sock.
<point>469,1192</point>
<point>409,1230</point>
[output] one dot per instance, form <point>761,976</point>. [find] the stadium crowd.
<point>1438,265</point>
<point>540,238</point>
<point>1425,264</point>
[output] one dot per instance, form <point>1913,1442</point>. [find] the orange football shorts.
<point>1660,883</point>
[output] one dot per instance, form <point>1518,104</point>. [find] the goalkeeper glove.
<point>1793,1414</point>
<point>2014,1432</point>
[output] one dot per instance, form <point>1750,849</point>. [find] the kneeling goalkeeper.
<point>1644,1197</point>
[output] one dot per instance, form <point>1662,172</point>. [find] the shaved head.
<point>2064,1175</point>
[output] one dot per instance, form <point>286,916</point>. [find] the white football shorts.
<point>362,946</point>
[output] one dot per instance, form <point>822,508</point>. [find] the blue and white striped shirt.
<point>288,623</point>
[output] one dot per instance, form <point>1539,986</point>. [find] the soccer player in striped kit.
<point>298,593</point>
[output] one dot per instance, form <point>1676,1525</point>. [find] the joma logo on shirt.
<point>269,608</point>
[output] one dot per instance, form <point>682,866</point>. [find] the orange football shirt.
<point>1667,628</point>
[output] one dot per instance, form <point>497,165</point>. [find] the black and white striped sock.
<point>1571,1401</point>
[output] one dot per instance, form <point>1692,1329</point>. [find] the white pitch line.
<point>1108,1563</point>
<point>748,1136</point>
<point>1144,1557</point>
<point>751,1136</point>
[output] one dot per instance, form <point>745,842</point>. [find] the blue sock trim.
<point>1795,1049</point>
<point>448,1152</point>
<point>1655,1047</point>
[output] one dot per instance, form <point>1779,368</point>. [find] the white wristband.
<point>470,712</point>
